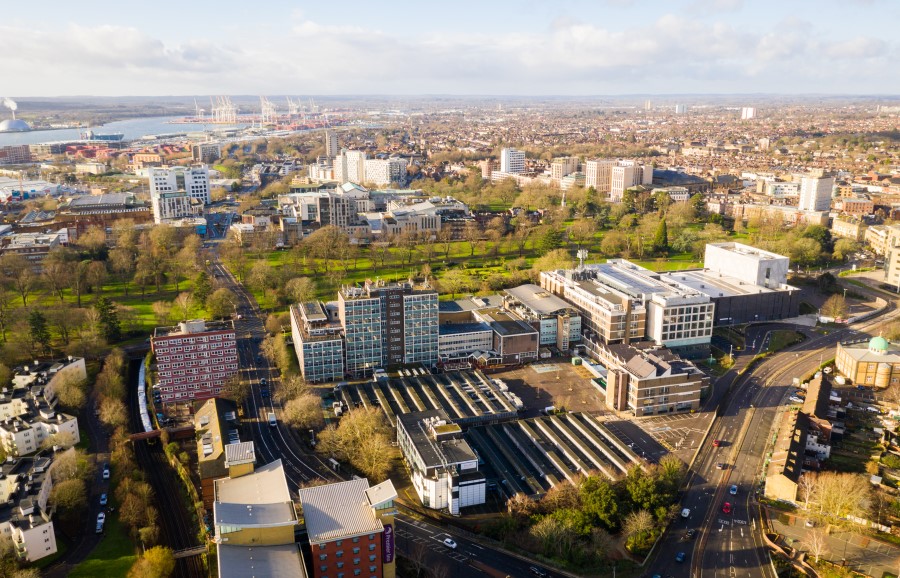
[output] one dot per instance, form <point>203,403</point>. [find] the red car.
<point>726,509</point>
<point>717,443</point>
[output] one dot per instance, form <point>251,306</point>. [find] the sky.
<point>460,47</point>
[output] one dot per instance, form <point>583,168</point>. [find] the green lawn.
<point>782,338</point>
<point>113,556</point>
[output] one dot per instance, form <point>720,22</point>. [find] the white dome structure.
<point>14,125</point>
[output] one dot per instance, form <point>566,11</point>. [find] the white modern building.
<point>383,172</point>
<point>193,180</point>
<point>748,264</point>
<point>512,161</point>
<point>816,192</point>
<point>350,167</point>
<point>627,174</point>
<point>174,206</point>
<point>443,467</point>
<point>25,485</point>
<point>563,166</point>
<point>748,113</point>
<point>598,174</point>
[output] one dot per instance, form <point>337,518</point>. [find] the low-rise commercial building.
<point>254,519</point>
<point>515,342</point>
<point>443,467</point>
<point>788,457</point>
<point>34,247</point>
<point>650,380</point>
<point>216,425</point>
<point>193,359</point>
<point>457,341</point>
<point>848,228</point>
<point>351,528</point>
<point>557,322</point>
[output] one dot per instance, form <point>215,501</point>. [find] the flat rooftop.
<point>266,515</point>
<point>460,328</point>
<point>259,561</point>
<point>538,299</point>
<point>748,251</point>
<point>434,453</point>
<point>266,485</point>
<point>717,285</point>
<point>470,304</point>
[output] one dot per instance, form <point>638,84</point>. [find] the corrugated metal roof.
<point>240,453</point>
<point>335,511</point>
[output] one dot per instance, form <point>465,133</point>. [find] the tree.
<point>363,439</point>
<point>70,391</point>
<point>599,501</point>
<point>57,270</point>
<point>221,303</point>
<point>839,495</point>
<point>844,248</point>
<point>661,238</point>
<point>805,252</point>
<point>456,281</point>
<point>614,243</point>
<point>300,289</point>
<point>97,275</point>
<point>183,305</point>
<point>70,496</point>
<point>157,562</point>
<point>637,523</point>
<point>262,277</point>
<point>19,275</point>
<point>835,307</point>
<point>325,243</point>
<point>304,411</point>
<point>472,234</point>
<point>816,541</point>
<point>113,412</point>
<point>551,239</point>
<point>555,259</point>
<point>39,332</point>
<point>162,310</point>
<point>93,242</point>
<point>236,389</point>
<point>582,232</point>
<point>202,287</point>
<point>108,320</point>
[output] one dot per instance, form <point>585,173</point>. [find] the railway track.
<point>177,529</point>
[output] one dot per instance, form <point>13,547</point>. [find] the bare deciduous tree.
<point>816,541</point>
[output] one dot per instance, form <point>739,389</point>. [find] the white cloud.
<point>669,54</point>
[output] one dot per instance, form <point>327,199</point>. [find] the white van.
<point>873,409</point>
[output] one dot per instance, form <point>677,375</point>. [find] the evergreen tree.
<point>552,239</point>
<point>109,320</point>
<point>661,238</point>
<point>202,287</point>
<point>39,330</point>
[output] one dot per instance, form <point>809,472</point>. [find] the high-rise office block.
<point>194,360</point>
<point>680,108</point>
<point>627,174</point>
<point>815,192</point>
<point>206,152</point>
<point>512,161</point>
<point>748,113</point>
<point>387,325</point>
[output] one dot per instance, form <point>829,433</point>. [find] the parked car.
<point>720,466</point>
<point>537,571</point>
<point>717,443</point>
<point>105,471</point>
<point>450,543</point>
<point>101,518</point>
<point>103,499</point>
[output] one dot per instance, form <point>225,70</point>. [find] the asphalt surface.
<point>729,544</point>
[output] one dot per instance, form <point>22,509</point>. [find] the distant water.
<point>133,129</point>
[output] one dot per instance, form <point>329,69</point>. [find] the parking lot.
<point>680,434</point>
<point>554,382</point>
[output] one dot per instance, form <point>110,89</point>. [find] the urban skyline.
<point>570,48</point>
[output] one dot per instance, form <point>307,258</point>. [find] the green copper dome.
<point>879,344</point>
